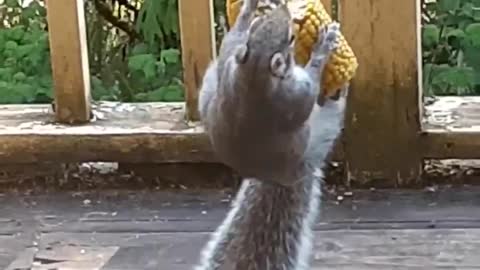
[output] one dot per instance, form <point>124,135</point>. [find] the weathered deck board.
<point>453,114</point>
<point>110,118</point>
<point>339,249</point>
<point>149,212</point>
<point>146,230</point>
<point>451,128</point>
<point>121,132</point>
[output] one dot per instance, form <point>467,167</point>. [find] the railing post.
<point>328,6</point>
<point>383,122</point>
<point>69,57</point>
<point>198,47</point>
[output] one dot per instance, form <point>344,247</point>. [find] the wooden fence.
<point>383,138</point>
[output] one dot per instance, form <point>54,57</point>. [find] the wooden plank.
<point>152,132</point>
<point>338,249</point>
<point>11,246</point>
<point>148,257</point>
<point>451,128</point>
<point>198,47</point>
<point>190,210</point>
<point>382,123</point>
<point>328,5</point>
<point>107,147</point>
<point>452,114</point>
<point>397,249</point>
<point>24,259</point>
<point>64,257</point>
<point>69,57</point>
<point>446,145</point>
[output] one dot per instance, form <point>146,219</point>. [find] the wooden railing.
<point>383,137</point>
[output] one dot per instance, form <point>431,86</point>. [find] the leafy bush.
<point>146,67</point>
<point>142,63</point>
<point>451,47</point>
<point>25,74</point>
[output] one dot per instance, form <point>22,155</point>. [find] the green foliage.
<point>158,21</point>
<point>144,68</point>
<point>451,47</point>
<point>25,75</point>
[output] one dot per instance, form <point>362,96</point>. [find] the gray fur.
<point>271,130</point>
<point>269,227</point>
<point>239,97</point>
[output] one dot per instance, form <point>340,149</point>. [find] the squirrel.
<point>263,116</point>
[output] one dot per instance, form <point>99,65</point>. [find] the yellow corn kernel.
<point>309,17</point>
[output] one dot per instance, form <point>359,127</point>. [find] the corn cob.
<point>309,16</point>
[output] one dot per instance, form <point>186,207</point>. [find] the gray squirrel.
<point>262,115</point>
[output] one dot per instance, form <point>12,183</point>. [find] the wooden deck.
<point>453,114</point>
<point>119,230</point>
<point>119,132</point>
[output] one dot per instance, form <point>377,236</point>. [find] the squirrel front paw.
<point>328,39</point>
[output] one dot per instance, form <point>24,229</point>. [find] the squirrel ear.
<point>278,65</point>
<point>241,54</point>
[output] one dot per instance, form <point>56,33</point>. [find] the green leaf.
<point>174,93</point>
<point>456,77</point>
<point>472,56</point>
<point>19,76</point>
<point>25,50</point>
<point>6,73</point>
<point>171,20</point>
<point>16,33</point>
<point>10,62</point>
<point>430,35</point>
<point>137,62</point>
<point>476,10</point>
<point>27,91</point>
<point>29,13</point>
<point>140,48</point>
<point>456,33</point>
<point>148,23</point>
<point>473,34</point>
<point>11,45</point>
<point>43,96</point>
<point>12,3</point>
<point>141,97</point>
<point>448,5</point>
<point>477,77</point>
<point>467,9</point>
<point>170,56</point>
<point>455,37</point>
<point>11,95</point>
<point>150,70</point>
<point>156,95</point>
